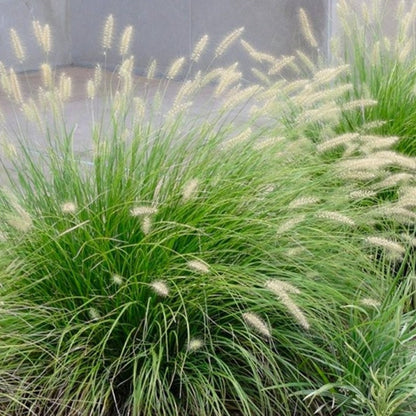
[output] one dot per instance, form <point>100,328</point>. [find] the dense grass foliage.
<point>382,65</point>
<point>243,262</point>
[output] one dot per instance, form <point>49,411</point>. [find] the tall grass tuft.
<point>191,265</point>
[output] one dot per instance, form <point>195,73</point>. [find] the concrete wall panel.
<point>168,29</point>
<point>161,30</point>
<point>19,15</point>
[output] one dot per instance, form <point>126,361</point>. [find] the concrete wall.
<point>19,14</point>
<point>168,29</point>
<point>164,29</point>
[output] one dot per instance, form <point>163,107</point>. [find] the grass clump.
<point>192,265</point>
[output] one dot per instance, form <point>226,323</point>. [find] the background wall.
<point>168,29</point>
<point>19,14</point>
<point>164,29</point>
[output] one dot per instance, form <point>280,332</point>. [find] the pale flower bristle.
<point>38,31</point>
<point>372,142</point>
<point>307,29</point>
<point>370,302</point>
<point>175,68</point>
<point>125,40</point>
<point>18,48</point>
<point>139,106</point>
<point>94,314</point>
<point>325,96</point>
<point>397,213</point>
<point>46,39</point>
<point>239,139</point>
<point>392,247</point>
<point>327,75</point>
<point>371,163</point>
<point>126,67</point>
<point>341,140</point>
<point>190,190</point>
<point>256,323</point>
<point>306,61</point>
<point>20,222</point>
<point>261,76</point>
<point>268,142</point>
<point>361,194</point>
<point>228,77</point>
<point>302,201</point>
<point>241,97</point>
<point>295,251</point>
<point>65,87</point>
<point>336,217</point>
<point>90,89</point>
<point>360,175</point>
<point>282,290</point>
<point>280,64</point>
<point>199,48</point>
<point>108,32</point>
<point>195,344</point>
<point>43,36</point>
<point>15,86</point>
<point>290,224</point>
<point>228,41</point>
<point>47,75</point>
<point>393,180</point>
<point>394,158</point>
<point>198,266</point>
<point>98,75</point>
<point>146,225</point>
<point>151,70</point>
<point>372,125</point>
<point>279,286</point>
<point>409,239</point>
<point>143,210</point>
<point>256,55</point>
<point>160,288</point>
<point>69,207</point>
<point>359,104</point>
<point>117,279</point>
<point>329,113</point>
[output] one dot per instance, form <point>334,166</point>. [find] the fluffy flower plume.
<point>198,266</point>
<point>175,68</point>
<point>282,290</point>
<point>195,344</point>
<point>146,224</point>
<point>142,211</point>
<point>43,36</point>
<point>108,32</point>
<point>18,48</point>
<point>160,288</point>
<point>336,217</point>
<point>69,207</point>
<point>307,29</point>
<point>255,322</point>
<point>125,40</point>
<point>395,249</point>
<point>117,279</point>
<point>199,48</point>
<point>190,190</point>
<point>228,41</point>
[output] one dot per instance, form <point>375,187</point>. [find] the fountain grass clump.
<point>209,265</point>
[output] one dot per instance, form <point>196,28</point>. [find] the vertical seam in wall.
<point>69,29</point>
<point>190,33</point>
